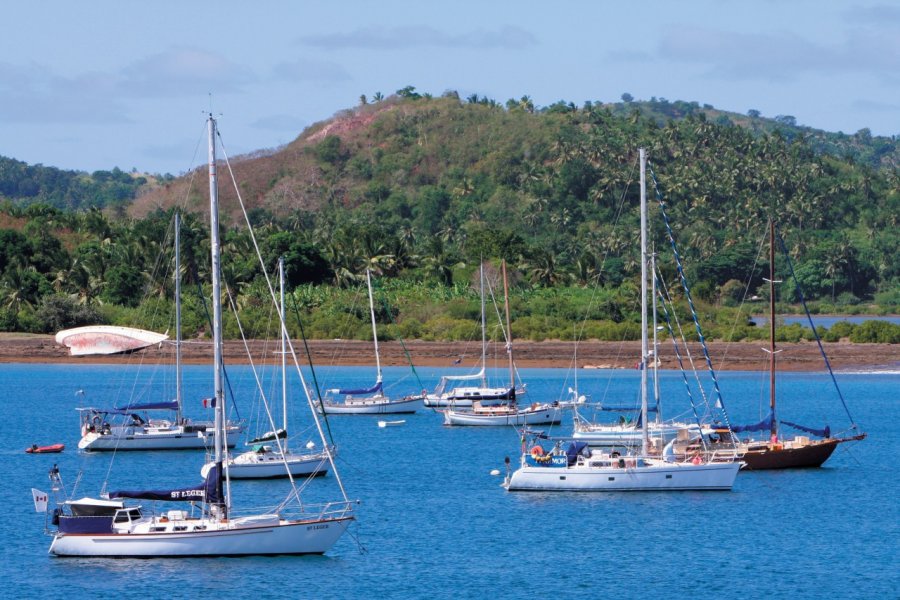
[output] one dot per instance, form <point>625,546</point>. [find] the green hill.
<point>420,189</point>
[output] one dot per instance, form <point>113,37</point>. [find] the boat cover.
<point>205,492</point>
<point>573,451</point>
<point>825,433</point>
<point>122,410</point>
<point>359,392</point>
<point>763,425</point>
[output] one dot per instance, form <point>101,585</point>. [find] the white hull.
<point>547,415</point>
<point>372,406</point>
<point>252,536</point>
<point>628,435</point>
<point>174,438</point>
<point>652,476</point>
<point>270,465</point>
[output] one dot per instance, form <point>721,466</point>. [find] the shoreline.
<point>734,356</point>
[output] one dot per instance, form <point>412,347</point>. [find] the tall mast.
<point>509,351</point>
<point>374,330</point>
<point>645,438</point>
<point>655,358</point>
<point>283,328</point>
<point>178,380</point>
<point>217,306</point>
<point>774,429</point>
<point>483,327</point>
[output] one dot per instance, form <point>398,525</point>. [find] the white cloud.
<point>183,71</point>
<point>311,70</point>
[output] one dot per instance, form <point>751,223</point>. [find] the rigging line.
<point>284,332</point>
<point>262,393</point>
<point>202,296</point>
<point>667,298</point>
<point>737,317</point>
<point>687,385</point>
<point>312,369</point>
<point>813,327</point>
<point>402,345</point>
<point>687,290</point>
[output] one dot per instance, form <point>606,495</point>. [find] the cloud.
<point>311,70</point>
<point>34,94</point>
<point>419,36</point>
<point>879,15</point>
<point>183,71</point>
<point>780,56</point>
<point>282,122</point>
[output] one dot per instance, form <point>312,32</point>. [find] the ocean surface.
<point>433,521</point>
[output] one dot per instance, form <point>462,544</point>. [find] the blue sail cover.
<point>124,410</point>
<point>205,492</point>
<point>764,425</point>
<point>627,408</point>
<point>824,433</point>
<point>371,390</point>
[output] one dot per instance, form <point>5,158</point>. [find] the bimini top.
<point>107,339</point>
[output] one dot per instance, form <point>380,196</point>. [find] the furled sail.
<point>205,492</point>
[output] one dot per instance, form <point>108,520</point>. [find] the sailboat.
<point>108,527</point>
<point>465,395</point>
<point>485,413</point>
<point>779,452</point>
<point>372,400</point>
<point>130,428</point>
<point>578,467</point>
<point>627,432</point>
<point>271,457</point>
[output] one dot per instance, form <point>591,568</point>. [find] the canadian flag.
<point>40,500</point>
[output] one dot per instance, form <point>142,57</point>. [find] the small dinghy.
<point>391,423</point>
<point>35,449</point>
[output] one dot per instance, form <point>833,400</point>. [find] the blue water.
<point>435,523</point>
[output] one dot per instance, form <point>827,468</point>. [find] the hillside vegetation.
<point>421,189</point>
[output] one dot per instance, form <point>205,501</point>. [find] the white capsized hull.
<point>542,416</point>
<point>249,537</point>
<point>653,475</point>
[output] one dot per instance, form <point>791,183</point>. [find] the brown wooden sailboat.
<point>777,452</point>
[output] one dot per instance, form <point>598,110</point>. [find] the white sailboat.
<point>131,428</point>
<point>372,400</point>
<point>582,468</point>
<point>483,413</point>
<point>627,433</point>
<point>464,395</point>
<point>271,457</point>
<point>110,528</point>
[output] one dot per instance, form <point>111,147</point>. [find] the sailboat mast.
<point>374,329</point>
<point>283,354</point>
<point>655,339</point>
<point>483,327</point>
<point>178,379</point>
<point>645,438</point>
<point>509,351</point>
<point>215,251</point>
<point>774,429</point>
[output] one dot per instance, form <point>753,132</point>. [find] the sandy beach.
<point>747,356</point>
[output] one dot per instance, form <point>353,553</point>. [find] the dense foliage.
<point>420,190</point>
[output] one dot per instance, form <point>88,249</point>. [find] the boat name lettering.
<point>180,494</point>
<point>310,527</point>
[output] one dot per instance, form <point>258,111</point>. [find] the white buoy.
<point>310,444</point>
<point>382,423</point>
<point>495,472</point>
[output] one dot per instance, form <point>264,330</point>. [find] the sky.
<point>119,83</point>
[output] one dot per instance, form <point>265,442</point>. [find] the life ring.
<point>537,451</point>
